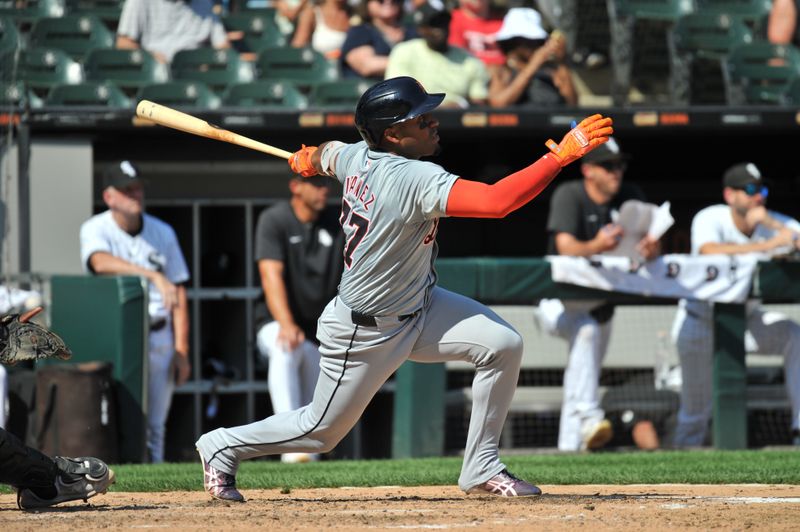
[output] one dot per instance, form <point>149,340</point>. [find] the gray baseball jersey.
<point>390,213</point>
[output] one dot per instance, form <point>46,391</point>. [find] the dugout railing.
<point>523,281</point>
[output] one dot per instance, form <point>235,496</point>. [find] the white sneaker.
<point>299,458</point>
<point>596,435</point>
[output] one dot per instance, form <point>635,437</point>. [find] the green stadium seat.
<point>106,10</point>
<point>9,35</point>
<point>19,96</point>
<point>303,66</point>
<point>41,68</point>
<point>754,12</point>
<point>698,43</point>
<point>653,9</point>
<point>341,93</point>
<point>760,72</point>
<point>89,94</point>
<point>259,28</point>
<point>32,10</point>
<point>191,94</point>
<point>265,94</point>
<point>130,70</point>
<point>75,34</point>
<point>215,68</point>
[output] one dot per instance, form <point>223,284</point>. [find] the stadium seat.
<point>31,11</point>
<point>639,51</point>
<point>754,12</point>
<point>75,34</point>
<point>760,72</point>
<point>303,66</point>
<point>106,10</point>
<point>88,94</point>
<point>697,45</point>
<point>18,96</point>
<point>215,68</point>
<point>193,94</point>
<point>266,94</point>
<point>130,70</point>
<point>259,28</point>
<point>341,93</point>
<point>791,94</point>
<point>41,68</point>
<point>9,36</point>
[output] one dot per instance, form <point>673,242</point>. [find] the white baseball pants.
<point>588,343</point>
<point>357,360</point>
<point>3,396</point>
<point>693,333</point>
<point>160,386</point>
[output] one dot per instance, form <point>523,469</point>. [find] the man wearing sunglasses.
<point>580,225</point>
<point>741,225</point>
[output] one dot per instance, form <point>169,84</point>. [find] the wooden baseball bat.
<point>168,117</point>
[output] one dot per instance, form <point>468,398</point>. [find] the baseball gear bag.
<point>76,411</point>
<point>390,102</point>
<point>21,339</point>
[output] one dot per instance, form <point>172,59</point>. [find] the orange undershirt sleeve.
<point>478,200</point>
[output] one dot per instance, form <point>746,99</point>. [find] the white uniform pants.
<point>160,386</point>
<point>693,333</point>
<point>357,360</point>
<point>588,342</point>
<point>3,396</point>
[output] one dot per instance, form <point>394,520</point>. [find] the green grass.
<point>690,467</point>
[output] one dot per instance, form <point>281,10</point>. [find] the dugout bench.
<point>420,388</point>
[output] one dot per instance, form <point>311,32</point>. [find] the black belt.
<point>369,321</point>
<point>158,325</point>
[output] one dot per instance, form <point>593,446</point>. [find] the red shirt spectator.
<point>473,27</point>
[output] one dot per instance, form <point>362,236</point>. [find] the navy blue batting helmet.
<point>390,102</point>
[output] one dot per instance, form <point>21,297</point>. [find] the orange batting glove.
<point>581,139</point>
<point>300,161</point>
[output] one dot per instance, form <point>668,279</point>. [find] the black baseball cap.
<point>742,174</point>
<point>121,174</point>
<point>607,152</point>
<point>428,16</point>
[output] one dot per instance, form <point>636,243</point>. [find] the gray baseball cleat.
<point>505,484</point>
<point>219,485</point>
<point>78,478</point>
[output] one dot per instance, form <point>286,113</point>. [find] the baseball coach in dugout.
<point>389,309</point>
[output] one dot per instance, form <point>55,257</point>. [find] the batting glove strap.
<point>300,161</point>
<point>581,139</point>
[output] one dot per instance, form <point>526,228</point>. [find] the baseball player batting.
<point>389,309</point>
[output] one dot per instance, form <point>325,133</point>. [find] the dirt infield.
<point>639,507</point>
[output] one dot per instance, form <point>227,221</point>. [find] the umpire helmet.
<point>390,102</point>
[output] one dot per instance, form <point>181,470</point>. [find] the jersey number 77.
<point>355,227</point>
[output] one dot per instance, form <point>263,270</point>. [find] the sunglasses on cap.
<point>751,189</point>
<point>612,166</point>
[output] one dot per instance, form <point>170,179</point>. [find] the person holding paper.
<point>581,224</point>
<point>741,225</point>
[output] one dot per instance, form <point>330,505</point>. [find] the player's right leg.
<point>692,333</point>
<point>160,387</point>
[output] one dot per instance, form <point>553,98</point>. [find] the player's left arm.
<point>180,326</point>
<point>479,200</point>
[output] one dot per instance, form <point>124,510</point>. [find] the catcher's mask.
<point>390,102</point>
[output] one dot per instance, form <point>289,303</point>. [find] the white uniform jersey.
<point>155,247</point>
<point>714,224</point>
<point>391,207</point>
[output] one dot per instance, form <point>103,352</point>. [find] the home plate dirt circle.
<point>599,507</point>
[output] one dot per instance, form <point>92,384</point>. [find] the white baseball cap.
<point>522,22</point>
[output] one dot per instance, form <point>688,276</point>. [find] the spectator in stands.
<point>437,65</point>
<point>741,225</point>
<point>125,240</point>
<point>473,27</point>
<point>782,27</point>
<point>299,245</point>
<point>323,25</point>
<point>580,224</point>
<point>365,52</point>
<point>535,72</point>
<point>287,13</point>
<point>165,27</point>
